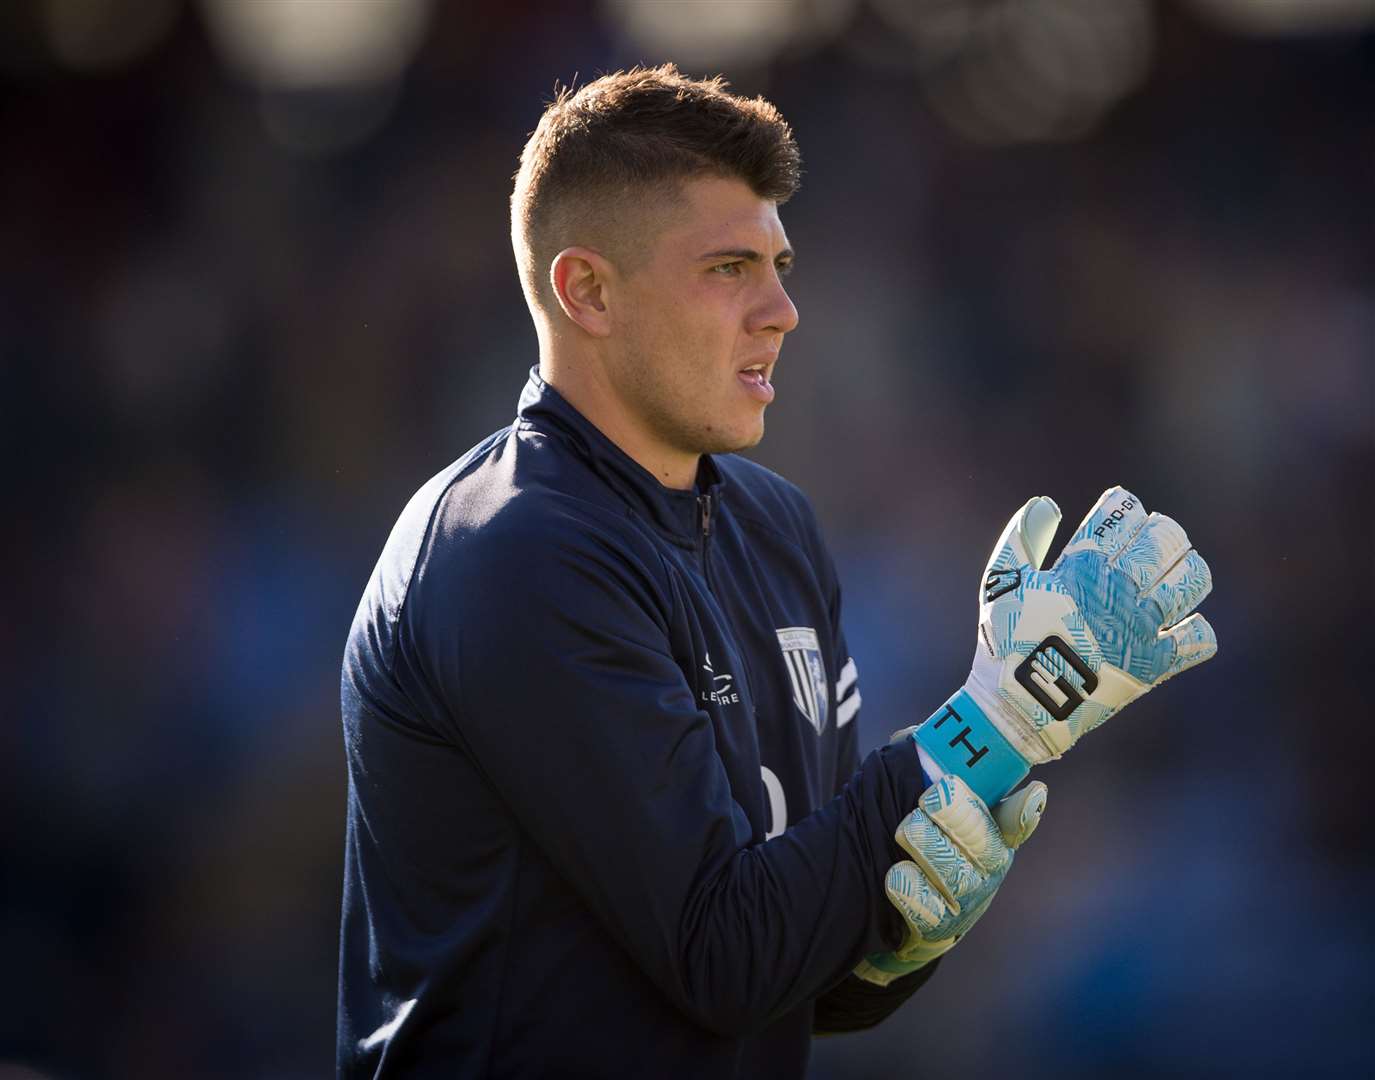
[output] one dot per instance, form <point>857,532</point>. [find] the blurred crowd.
<point>226,363</point>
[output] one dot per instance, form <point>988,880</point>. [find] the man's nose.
<point>776,312</point>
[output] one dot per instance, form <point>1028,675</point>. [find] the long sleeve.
<point>552,653</point>
<point>853,1004</point>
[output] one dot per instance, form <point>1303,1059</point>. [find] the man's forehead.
<point>725,214</point>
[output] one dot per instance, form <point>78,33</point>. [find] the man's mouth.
<point>759,373</point>
<point>756,380</point>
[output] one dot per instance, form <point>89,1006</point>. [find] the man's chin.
<point>755,439</point>
<point>733,442</point>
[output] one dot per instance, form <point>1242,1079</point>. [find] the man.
<point>605,815</point>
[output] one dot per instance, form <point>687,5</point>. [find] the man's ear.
<point>581,279</point>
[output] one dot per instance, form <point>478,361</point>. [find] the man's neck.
<point>585,387</point>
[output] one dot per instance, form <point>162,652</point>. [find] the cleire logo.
<point>722,690</point>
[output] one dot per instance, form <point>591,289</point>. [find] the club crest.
<point>806,672</point>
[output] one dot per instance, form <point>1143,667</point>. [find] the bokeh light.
<point>95,37</point>
<point>719,34</point>
<point>328,71</point>
<point>313,43</point>
<point>1011,71</point>
<point>1289,16</point>
<point>258,286</point>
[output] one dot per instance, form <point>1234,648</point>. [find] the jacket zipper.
<point>704,510</point>
<point>704,523</point>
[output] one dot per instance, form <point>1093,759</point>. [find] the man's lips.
<point>762,362</point>
<point>755,379</point>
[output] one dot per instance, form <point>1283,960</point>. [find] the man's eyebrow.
<point>748,254</point>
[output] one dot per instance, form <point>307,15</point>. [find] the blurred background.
<point>256,287</point>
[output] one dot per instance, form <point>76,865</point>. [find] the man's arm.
<point>553,651</point>
<point>855,1004</point>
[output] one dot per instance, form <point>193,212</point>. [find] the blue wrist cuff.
<point>961,739</point>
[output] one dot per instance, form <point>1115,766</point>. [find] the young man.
<point>605,815</point>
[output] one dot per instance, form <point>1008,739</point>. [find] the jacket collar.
<point>677,514</point>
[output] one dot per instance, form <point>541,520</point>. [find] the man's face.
<point>701,322</point>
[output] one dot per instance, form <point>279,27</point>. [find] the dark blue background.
<point>224,367</point>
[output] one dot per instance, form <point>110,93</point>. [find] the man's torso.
<point>461,936</point>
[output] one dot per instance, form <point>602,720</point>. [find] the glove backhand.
<point>960,854</point>
<point>1061,650</point>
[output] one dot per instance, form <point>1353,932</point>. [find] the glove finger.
<point>957,928</point>
<point>924,947</point>
<point>945,866</point>
<point>1194,642</point>
<point>1154,551</point>
<point>964,819</point>
<point>1024,542</point>
<point>911,891</point>
<point>1109,526</point>
<point>1182,589</point>
<point>1019,814</point>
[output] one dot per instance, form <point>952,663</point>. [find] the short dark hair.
<point>601,150</point>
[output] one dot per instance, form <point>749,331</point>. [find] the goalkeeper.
<point>606,815</point>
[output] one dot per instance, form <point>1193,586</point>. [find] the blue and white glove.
<point>1061,650</point>
<point>960,855</point>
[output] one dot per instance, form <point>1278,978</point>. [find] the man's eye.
<point>727,269</point>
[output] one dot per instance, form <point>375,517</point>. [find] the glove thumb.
<point>1019,814</point>
<point>1025,541</point>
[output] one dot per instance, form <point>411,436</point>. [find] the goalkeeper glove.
<point>960,855</point>
<point>1061,650</point>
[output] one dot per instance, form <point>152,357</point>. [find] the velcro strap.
<point>962,740</point>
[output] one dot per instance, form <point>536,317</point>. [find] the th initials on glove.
<point>1061,650</point>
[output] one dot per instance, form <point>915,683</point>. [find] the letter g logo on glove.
<point>1061,650</point>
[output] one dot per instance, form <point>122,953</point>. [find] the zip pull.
<point>704,504</point>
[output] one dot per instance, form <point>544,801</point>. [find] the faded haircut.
<point>624,143</point>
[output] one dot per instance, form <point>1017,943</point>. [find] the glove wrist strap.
<point>961,739</point>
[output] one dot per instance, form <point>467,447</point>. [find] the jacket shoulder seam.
<point>464,466</point>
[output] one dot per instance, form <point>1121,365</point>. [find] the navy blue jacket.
<point>579,710</point>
